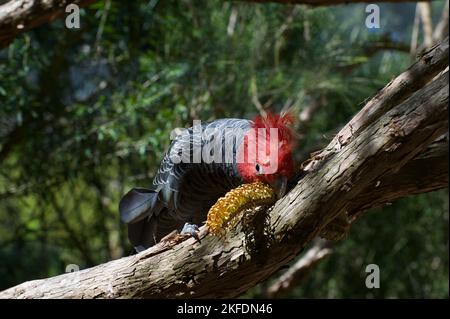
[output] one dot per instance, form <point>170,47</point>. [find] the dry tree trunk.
<point>378,156</point>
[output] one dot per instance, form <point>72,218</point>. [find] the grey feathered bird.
<point>189,182</point>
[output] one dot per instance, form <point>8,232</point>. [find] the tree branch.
<point>21,15</point>
<point>393,128</point>
<point>414,177</point>
<point>427,172</point>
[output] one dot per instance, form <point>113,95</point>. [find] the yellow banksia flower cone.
<point>222,215</point>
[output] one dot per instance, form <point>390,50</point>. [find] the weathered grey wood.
<point>255,249</point>
<point>425,173</point>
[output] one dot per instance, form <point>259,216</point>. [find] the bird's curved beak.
<point>279,185</point>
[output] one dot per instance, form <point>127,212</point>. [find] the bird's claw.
<point>191,230</point>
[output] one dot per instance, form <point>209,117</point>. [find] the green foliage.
<point>86,114</point>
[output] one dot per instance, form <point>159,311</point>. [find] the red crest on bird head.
<point>266,155</point>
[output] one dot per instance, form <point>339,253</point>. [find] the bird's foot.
<point>191,230</point>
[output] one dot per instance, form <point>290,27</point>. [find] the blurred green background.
<point>86,114</point>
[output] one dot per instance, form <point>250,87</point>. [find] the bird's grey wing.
<point>174,166</point>
<point>185,156</point>
<point>184,187</point>
<point>137,204</point>
<point>195,187</point>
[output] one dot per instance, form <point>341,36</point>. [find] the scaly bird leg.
<point>191,230</point>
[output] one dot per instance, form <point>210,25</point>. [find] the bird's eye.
<point>258,168</point>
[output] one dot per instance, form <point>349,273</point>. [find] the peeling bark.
<point>390,133</point>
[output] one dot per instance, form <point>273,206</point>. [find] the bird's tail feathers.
<point>137,204</point>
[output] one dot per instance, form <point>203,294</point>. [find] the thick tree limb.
<point>396,125</point>
<point>21,15</point>
<point>425,173</point>
<point>414,177</point>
